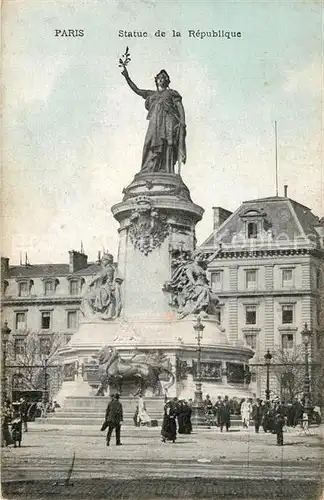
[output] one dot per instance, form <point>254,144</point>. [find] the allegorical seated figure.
<point>164,144</point>
<point>190,289</point>
<point>103,296</point>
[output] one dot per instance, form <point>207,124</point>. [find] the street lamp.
<point>306,336</point>
<point>198,413</point>
<point>267,359</point>
<point>5,333</point>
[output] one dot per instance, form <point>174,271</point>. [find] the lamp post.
<point>198,413</point>
<point>5,333</point>
<point>306,336</point>
<point>267,359</point>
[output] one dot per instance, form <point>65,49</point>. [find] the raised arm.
<point>140,92</point>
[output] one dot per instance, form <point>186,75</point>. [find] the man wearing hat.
<point>24,412</point>
<point>114,417</point>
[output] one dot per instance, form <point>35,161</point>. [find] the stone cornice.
<point>30,301</point>
<point>265,253</point>
<point>266,293</point>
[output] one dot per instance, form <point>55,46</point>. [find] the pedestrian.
<point>113,419</point>
<point>226,414</point>
<point>16,428</point>
<point>208,407</point>
<point>279,423</point>
<point>143,417</point>
<point>218,410</point>
<point>246,413</point>
<point>184,418</point>
<point>257,414</point>
<point>24,413</point>
<point>169,427</point>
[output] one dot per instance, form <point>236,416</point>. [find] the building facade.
<point>268,274</point>
<point>42,302</point>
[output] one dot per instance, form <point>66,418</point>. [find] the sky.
<point>73,131</point>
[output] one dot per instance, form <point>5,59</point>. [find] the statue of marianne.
<point>164,144</point>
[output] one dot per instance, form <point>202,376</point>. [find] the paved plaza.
<point>205,464</point>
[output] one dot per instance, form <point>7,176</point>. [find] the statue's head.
<point>162,80</point>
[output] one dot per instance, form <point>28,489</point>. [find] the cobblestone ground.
<point>205,464</point>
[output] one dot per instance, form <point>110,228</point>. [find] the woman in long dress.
<point>164,144</point>
<point>169,426</point>
<point>246,409</point>
<point>143,417</point>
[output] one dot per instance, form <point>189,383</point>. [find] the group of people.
<point>177,417</point>
<point>219,413</point>
<point>272,415</point>
<point>13,421</point>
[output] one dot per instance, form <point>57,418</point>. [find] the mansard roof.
<point>286,220</point>
<point>50,270</point>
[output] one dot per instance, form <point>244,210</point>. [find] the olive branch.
<point>124,59</point>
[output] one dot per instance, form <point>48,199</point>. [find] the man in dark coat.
<point>114,417</point>
<point>279,422</point>
<point>225,412</point>
<point>257,415</point>
<point>24,413</point>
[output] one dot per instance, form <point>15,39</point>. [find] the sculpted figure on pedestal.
<point>103,296</point>
<point>189,288</point>
<point>143,368</point>
<point>164,144</point>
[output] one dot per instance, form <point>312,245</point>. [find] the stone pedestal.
<point>157,217</point>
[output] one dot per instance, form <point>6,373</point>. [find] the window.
<point>287,341</point>
<point>23,289</point>
<point>216,280</point>
<point>287,277</point>
<point>287,314</point>
<point>250,339</point>
<point>46,320</point>
<point>19,347</point>
<point>252,230</point>
<point>72,320</point>
<point>21,321</point>
<point>250,315</point>
<point>251,278</point>
<point>49,287</point>
<point>74,287</point>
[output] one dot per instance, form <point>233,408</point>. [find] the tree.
<point>289,369</point>
<point>27,355</point>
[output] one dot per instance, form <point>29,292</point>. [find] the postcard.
<point>162,264</point>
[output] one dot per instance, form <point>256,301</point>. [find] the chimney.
<point>286,190</point>
<point>219,216</point>
<point>77,261</point>
<point>4,267</point>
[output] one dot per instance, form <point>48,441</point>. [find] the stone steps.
<point>91,410</point>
